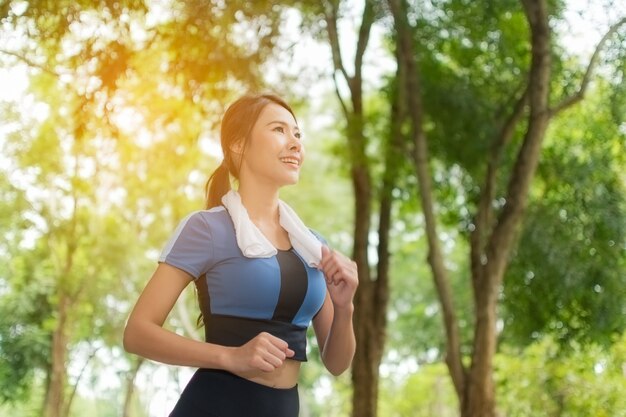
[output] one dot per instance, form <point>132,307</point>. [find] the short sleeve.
<point>190,248</point>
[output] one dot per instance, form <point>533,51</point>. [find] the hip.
<point>218,393</point>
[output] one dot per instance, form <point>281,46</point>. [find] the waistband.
<point>236,331</point>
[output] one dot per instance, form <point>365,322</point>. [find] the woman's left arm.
<point>333,324</point>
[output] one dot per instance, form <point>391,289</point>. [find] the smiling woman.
<point>262,277</point>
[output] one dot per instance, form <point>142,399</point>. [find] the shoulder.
<point>210,217</point>
<point>202,221</point>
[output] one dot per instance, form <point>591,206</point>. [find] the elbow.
<point>337,371</point>
<point>129,339</point>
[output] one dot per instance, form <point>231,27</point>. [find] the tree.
<point>93,68</point>
<point>493,232</point>
<point>371,300</point>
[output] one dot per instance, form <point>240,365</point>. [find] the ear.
<point>237,147</point>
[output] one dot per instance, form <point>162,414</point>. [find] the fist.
<point>264,352</point>
<point>341,277</point>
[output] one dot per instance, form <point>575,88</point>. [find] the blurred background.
<point>470,155</point>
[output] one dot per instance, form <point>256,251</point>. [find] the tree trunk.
<point>479,396</point>
<point>406,59</point>
<point>370,303</point>
<point>55,392</point>
<point>70,400</point>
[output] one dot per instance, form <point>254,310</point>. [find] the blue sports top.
<point>240,297</point>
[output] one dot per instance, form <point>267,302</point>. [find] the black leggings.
<point>217,393</point>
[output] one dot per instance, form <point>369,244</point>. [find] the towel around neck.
<point>253,243</point>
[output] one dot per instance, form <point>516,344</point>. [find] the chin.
<point>290,181</point>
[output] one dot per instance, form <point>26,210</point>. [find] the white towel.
<point>254,244</point>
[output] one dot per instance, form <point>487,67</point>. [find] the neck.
<point>260,202</point>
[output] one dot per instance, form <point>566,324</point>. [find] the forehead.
<point>276,113</point>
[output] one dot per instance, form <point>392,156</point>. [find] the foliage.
<point>426,392</point>
<point>542,380</point>
<point>116,136</point>
<point>568,277</point>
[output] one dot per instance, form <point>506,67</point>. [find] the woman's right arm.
<point>145,336</point>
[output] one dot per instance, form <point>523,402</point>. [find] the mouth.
<point>295,162</point>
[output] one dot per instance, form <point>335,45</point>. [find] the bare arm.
<point>333,324</point>
<point>144,334</point>
<point>335,335</point>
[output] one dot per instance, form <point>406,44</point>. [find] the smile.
<point>293,161</point>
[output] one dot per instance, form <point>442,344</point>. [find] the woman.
<point>261,276</point>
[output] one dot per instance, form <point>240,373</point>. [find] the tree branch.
<point>30,62</point>
<point>364,35</point>
<point>579,95</point>
<point>344,108</point>
<point>70,400</point>
<point>503,234</point>
<point>393,156</point>
<point>330,14</point>
<point>485,211</point>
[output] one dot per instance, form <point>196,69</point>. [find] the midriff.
<point>285,376</point>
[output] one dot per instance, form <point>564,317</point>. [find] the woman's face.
<point>275,152</point>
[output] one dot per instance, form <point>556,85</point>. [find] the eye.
<point>279,129</point>
<point>298,135</point>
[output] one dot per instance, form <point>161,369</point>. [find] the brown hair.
<point>237,123</point>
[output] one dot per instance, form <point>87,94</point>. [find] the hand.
<point>264,352</point>
<point>341,275</point>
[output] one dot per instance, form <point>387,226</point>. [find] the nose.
<point>295,144</point>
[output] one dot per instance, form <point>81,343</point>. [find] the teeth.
<point>290,160</point>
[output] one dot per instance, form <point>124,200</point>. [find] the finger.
<point>330,273</point>
<point>326,256</point>
<point>262,364</point>
<point>339,278</point>
<point>275,341</point>
<point>276,352</point>
<point>329,262</point>
<point>280,345</point>
<point>325,252</point>
<point>275,359</point>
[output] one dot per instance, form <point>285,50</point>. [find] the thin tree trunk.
<point>406,58</point>
<point>54,403</point>
<point>70,400</point>
<point>371,298</point>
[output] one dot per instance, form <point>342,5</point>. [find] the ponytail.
<point>217,186</point>
<point>236,126</point>
<point>237,123</point>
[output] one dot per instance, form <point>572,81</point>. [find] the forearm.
<point>153,342</point>
<point>340,344</point>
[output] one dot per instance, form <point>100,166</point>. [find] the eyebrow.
<point>283,123</point>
